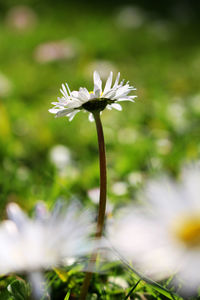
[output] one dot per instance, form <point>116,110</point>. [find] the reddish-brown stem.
<point>102,200</point>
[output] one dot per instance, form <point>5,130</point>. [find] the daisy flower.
<point>96,101</point>
<point>32,245</point>
<point>163,237</point>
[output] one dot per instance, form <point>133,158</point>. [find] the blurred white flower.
<point>97,100</point>
<point>117,280</point>
<point>60,156</point>
<point>29,245</point>
<point>120,188</point>
<point>135,178</point>
<point>93,194</point>
<point>21,17</point>
<point>130,17</point>
<point>55,50</point>
<point>164,146</point>
<point>176,113</point>
<point>163,238</point>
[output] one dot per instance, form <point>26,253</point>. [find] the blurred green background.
<point>43,44</point>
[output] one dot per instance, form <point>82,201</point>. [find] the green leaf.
<point>19,290</point>
<point>67,295</point>
<point>62,274</point>
<point>155,285</point>
<point>5,295</point>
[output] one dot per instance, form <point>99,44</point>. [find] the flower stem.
<point>102,200</point>
<point>103,177</point>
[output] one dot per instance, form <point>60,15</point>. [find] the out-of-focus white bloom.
<point>60,156</point>
<point>130,17</point>
<point>119,188</point>
<point>163,238</point>
<point>176,113</point>
<point>135,178</point>
<point>28,245</point>
<point>93,194</point>
<point>96,101</point>
<point>120,281</point>
<point>164,146</point>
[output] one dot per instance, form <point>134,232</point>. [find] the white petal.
<point>83,95</point>
<point>97,93</point>
<point>86,93</point>
<point>97,84</point>
<point>91,117</point>
<point>64,91</point>
<point>122,91</point>
<point>74,94</point>
<point>116,81</point>
<point>116,106</point>
<point>53,110</point>
<point>110,94</point>
<point>109,107</point>
<point>68,88</point>
<point>72,114</point>
<point>64,112</point>
<point>108,83</point>
<point>59,103</point>
<point>92,96</point>
<point>127,98</point>
<point>15,214</point>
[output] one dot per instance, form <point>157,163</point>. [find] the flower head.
<point>163,238</point>
<point>96,101</point>
<point>31,245</point>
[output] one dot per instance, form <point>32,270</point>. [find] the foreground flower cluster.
<point>43,242</point>
<point>72,102</point>
<point>30,246</point>
<point>162,237</point>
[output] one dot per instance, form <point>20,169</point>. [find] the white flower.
<point>31,245</point>
<point>163,238</point>
<point>72,102</point>
<point>60,156</point>
<point>118,280</point>
<point>120,188</point>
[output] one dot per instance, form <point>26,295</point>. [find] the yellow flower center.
<point>187,231</point>
<point>92,92</point>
